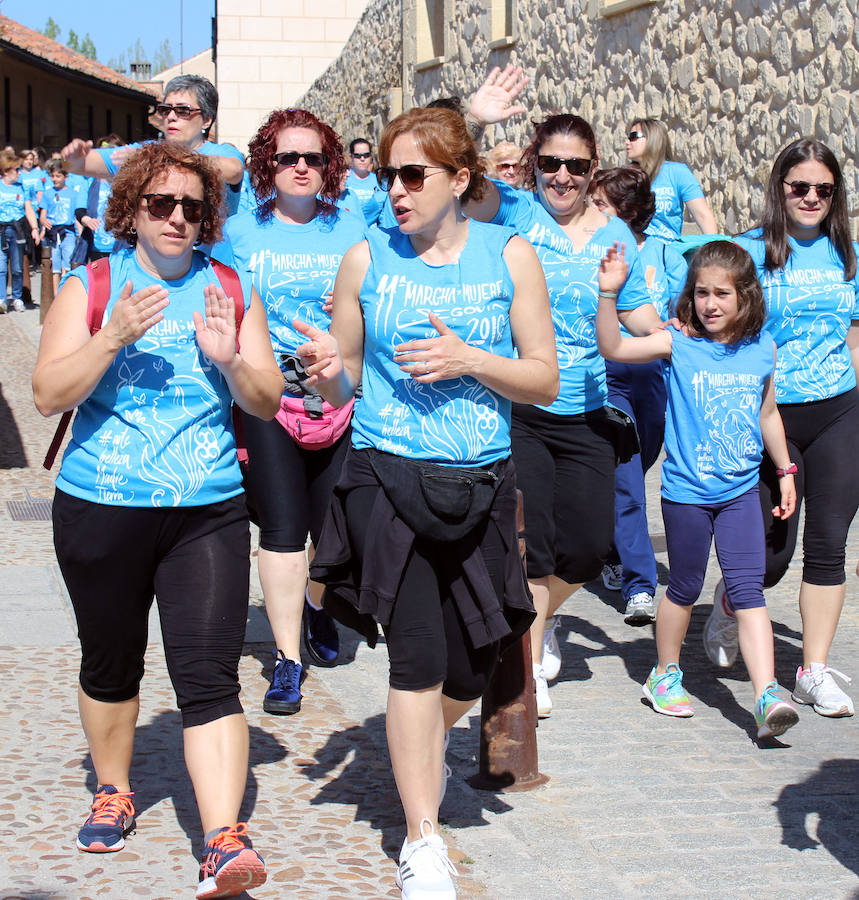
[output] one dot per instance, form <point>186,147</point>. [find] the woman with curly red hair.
<point>149,497</point>
<point>292,244</point>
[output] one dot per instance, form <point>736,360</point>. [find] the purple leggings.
<point>738,527</point>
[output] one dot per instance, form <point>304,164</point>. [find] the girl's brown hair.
<point>658,146</point>
<point>564,124</point>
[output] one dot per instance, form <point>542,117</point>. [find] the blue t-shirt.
<point>457,421</point>
<point>810,308</point>
<point>370,195</point>
<point>664,274</point>
<point>157,428</point>
<point>60,205</point>
<point>674,186</point>
<point>713,443</point>
<point>572,278</point>
<point>34,180</point>
<point>293,267</point>
<point>102,240</point>
<point>12,198</point>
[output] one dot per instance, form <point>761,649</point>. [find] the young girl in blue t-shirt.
<point>721,414</point>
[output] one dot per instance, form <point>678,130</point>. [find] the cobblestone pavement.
<point>637,805</point>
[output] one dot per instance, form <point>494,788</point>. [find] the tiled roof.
<point>37,44</point>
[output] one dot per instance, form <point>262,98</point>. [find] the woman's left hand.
<point>216,334</point>
<point>493,101</point>
<point>613,269</point>
<point>434,359</point>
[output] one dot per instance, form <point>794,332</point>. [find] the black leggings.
<point>821,439</point>
<point>289,487</point>
<point>196,560</point>
<point>427,639</point>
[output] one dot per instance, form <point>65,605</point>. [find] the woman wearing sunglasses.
<point>807,265</point>
<point>444,321</point>
<point>648,146</point>
<point>149,497</point>
<point>566,451</point>
<point>292,245</point>
<point>185,117</point>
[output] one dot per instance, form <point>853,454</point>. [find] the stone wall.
<point>734,80</point>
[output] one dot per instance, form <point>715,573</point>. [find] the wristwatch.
<point>791,469</point>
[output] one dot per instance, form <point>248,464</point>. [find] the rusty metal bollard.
<point>47,279</point>
<point>508,716</point>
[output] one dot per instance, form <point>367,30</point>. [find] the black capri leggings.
<point>195,559</point>
<point>427,640</point>
<point>289,487</point>
<point>821,439</point>
<point>565,470</point>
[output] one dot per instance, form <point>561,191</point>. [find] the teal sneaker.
<point>666,694</point>
<point>772,714</point>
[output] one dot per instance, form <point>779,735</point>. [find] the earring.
<point>132,230</point>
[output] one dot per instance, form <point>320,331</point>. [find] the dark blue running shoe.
<point>283,698</point>
<point>112,817</point>
<point>320,636</point>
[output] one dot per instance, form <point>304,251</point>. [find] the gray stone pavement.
<point>637,805</point>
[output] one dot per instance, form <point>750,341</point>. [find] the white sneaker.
<point>612,577</point>
<point>424,871</point>
<point>721,641</point>
<point>817,687</point>
<point>551,650</point>
<point>18,305</point>
<point>445,768</point>
<point>640,609</point>
<point>541,689</point>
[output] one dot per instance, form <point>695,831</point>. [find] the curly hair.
<point>751,306</point>
<point>263,146</point>
<point>563,123</point>
<point>442,136</point>
<point>628,191</point>
<point>154,161</point>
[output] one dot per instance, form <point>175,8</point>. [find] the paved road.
<point>636,805</point>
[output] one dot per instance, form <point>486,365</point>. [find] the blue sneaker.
<point>111,818</point>
<point>773,716</point>
<point>283,698</point>
<point>320,636</point>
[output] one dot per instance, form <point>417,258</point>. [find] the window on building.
<point>7,115</point>
<point>108,120</point>
<point>608,8</point>
<point>503,16</point>
<point>431,18</point>
<point>68,119</point>
<point>30,140</point>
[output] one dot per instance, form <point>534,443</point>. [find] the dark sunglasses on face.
<point>291,157</point>
<point>824,190</point>
<point>182,112</point>
<point>508,167</point>
<point>161,206</point>
<point>548,165</point>
<point>411,176</point>
<point>636,135</point>
<point>361,155</point>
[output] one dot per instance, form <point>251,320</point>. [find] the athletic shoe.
<point>817,687</point>
<point>640,609</point>
<point>424,871</point>
<point>112,817</point>
<point>541,689</point>
<point>283,698</point>
<point>665,692</point>
<point>229,865</point>
<point>551,650</point>
<point>772,714</point>
<point>18,305</point>
<point>2,308</point>
<point>721,642</point>
<point>320,636</point>
<point>446,771</point>
<point>612,576</point>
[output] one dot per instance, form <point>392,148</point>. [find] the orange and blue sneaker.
<point>110,820</point>
<point>229,864</point>
<point>665,692</point>
<point>772,714</point>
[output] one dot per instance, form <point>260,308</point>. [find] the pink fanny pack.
<point>314,432</point>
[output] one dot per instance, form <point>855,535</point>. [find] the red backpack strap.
<point>98,295</point>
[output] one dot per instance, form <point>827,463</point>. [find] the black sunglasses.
<point>575,166</point>
<point>361,155</point>
<point>824,190</point>
<point>161,206</point>
<point>182,112</point>
<point>636,135</point>
<point>291,157</point>
<point>411,176</point>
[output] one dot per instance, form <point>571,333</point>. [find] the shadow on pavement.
<point>12,455</point>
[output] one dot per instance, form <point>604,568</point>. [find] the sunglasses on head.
<point>161,206</point>
<point>548,165</point>
<point>636,135</point>
<point>824,190</point>
<point>411,176</point>
<point>183,111</point>
<point>291,157</point>
<point>366,155</point>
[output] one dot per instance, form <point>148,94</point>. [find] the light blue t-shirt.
<point>664,274</point>
<point>810,308</point>
<point>713,443</point>
<point>12,199</point>
<point>674,186</point>
<point>293,267</point>
<point>157,428</point>
<point>370,195</point>
<point>102,240</point>
<point>456,421</point>
<point>60,205</point>
<point>34,180</point>
<point>572,279</point>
